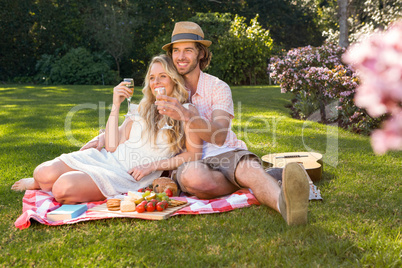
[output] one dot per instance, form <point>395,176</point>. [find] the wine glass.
<point>131,86</point>
<point>162,91</point>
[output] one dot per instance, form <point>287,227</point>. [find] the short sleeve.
<point>222,98</point>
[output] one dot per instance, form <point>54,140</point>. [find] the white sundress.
<point>109,170</point>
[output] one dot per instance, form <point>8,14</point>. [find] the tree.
<point>343,23</point>
<point>363,17</point>
<point>16,43</point>
<point>368,15</point>
<point>113,29</point>
<point>32,28</point>
<point>292,23</point>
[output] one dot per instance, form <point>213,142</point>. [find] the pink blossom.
<point>367,97</point>
<point>388,138</point>
<point>378,61</point>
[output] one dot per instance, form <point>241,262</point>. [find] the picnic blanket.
<point>36,204</point>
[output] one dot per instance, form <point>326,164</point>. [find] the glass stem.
<point>128,102</point>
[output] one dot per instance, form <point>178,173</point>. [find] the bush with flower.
<point>378,61</point>
<point>317,77</point>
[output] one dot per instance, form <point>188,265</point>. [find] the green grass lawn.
<point>357,225</point>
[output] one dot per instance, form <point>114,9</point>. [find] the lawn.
<point>357,225</point>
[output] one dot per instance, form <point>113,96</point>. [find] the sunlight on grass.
<point>357,224</point>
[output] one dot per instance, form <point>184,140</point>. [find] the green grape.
<point>159,196</point>
<point>146,193</point>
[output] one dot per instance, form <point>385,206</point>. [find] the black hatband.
<point>186,36</point>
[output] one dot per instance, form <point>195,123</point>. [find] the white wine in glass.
<point>162,91</point>
<point>131,86</point>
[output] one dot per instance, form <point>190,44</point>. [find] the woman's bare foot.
<point>25,184</point>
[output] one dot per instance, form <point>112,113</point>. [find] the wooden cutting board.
<point>155,215</point>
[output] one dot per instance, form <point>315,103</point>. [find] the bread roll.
<point>159,185</point>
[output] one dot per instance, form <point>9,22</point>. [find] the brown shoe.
<point>294,196</point>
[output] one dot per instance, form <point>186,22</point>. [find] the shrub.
<point>77,66</point>
<point>240,55</point>
<point>317,76</point>
<point>44,68</point>
<point>23,80</point>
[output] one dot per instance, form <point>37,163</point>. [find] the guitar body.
<point>312,162</point>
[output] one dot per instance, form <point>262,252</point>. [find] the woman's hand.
<point>98,143</point>
<point>121,92</point>
<point>141,171</point>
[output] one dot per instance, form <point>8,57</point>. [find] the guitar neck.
<point>291,156</point>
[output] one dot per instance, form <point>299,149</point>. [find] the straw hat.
<point>187,31</point>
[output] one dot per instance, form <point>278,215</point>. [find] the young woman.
<point>135,153</point>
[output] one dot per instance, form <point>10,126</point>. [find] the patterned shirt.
<point>214,94</point>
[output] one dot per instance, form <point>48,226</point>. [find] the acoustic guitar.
<point>312,162</point>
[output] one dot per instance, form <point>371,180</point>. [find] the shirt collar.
<point>200,87</point>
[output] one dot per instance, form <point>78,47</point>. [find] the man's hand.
<point>214,131</point>
<point>98,143</point>
<point>174,109</point>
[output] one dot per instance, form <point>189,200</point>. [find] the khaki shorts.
<point>226,163</point>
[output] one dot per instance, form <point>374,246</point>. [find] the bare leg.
<point>76,187</point>
<point>205,183</point>
<point>250,174</point>
<point>291,200</point>
<point>44,176</point>
<point>25,184</point>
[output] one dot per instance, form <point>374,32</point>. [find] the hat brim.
<point>206,43</point>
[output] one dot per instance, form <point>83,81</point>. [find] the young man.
<point>226,164</point>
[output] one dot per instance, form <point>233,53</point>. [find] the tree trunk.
<point>116,59</point>
<point>343,23</point>
<point>322,111</point>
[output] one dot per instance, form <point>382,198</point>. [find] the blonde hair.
<point>148,110</point>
